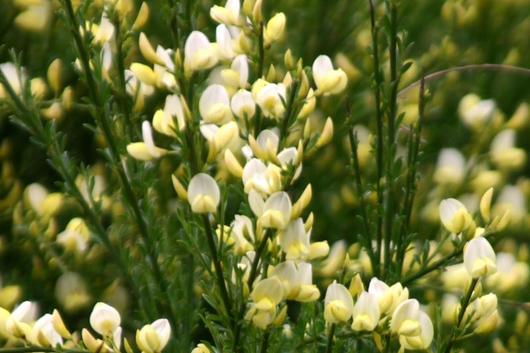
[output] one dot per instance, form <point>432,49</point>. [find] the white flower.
<point>275,212</point>
<point>105,319</point>
<point>199,53</point>
<point>146,150</point>
<point>219,138</point>
<point>214,105</point>
<point>18,322</point>
<point>504,154</point>
<point>164,120</point>
<point>261,178</point>
<point>105,31</point>
<point>297,279</point>
<point>476,113</point>
<point>242,232</point>
<point>242,104</point>
<point>327,79</point>
<point>450,168</point>
<point>338,304</point>
<point>75,237</point>
<point>365,313</point>
<point>228,15</point>
<point>225,43</point>
<point>203,194</point>
<point>44,334</point>
<point>271,99</point>
<point>479,258</point>
<point>154,337</point>
<point>412,325</point>
<point>294,240</point>
<point>454,216</point>
<point>15,80</point>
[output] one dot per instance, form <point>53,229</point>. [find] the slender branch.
<point>359,188</point>
<point>433,267</point>
<point>217,265</point>
<point>467,68</point>
<point>391,135</point>
<point>331,334</point>
<point>379,136</point>
<point>265,341</point>
<point>410,187</point>
<point>465,304</point>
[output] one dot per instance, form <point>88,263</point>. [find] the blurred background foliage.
<point>442,34</point>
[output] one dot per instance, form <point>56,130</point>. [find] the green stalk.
<point>217,265</point>
<point>124,102</point>
<point>391,135</point>
<point>331,334</point>
<point>366,239</point>
<point>465,304</point>
<point>410,188</point>
<point>379,135</point>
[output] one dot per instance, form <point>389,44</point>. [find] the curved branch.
<point>467,68</point>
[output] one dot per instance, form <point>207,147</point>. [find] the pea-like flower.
<point>105,319</point>
<point>199,53</point>
<point>266,296</point>
<point>228,14</point>
<point>262,178</point>
<point>146,150</point>
<point>328,80</point>
<point>171,118</point>
<point>450,168</point>
<point>243,105</point>
<point>203,194</point>
<point>153,338</point>
<point>270,99</point>
<point>455,216</point>
<point>44,334</point>
<point>413,327</point>
<point>214,105</point>
<point>479,258</point>
<point>366,313</point>
<point>297,279</point>
<point>275,212</point>
<point>338,304</point>
<point>294,240</point>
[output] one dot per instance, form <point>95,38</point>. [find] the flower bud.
<point>275,29</point>
<point>142,17</point>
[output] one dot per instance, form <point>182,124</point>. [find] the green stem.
<point>123,99</point>
<point>379,121</point>
<point>465,304</point>
<point>366,239</point>
<point>217,265</point>
<point>391,131</point>
<point>265,341</point>
<point>331,334</point>
<point>410,188</point>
